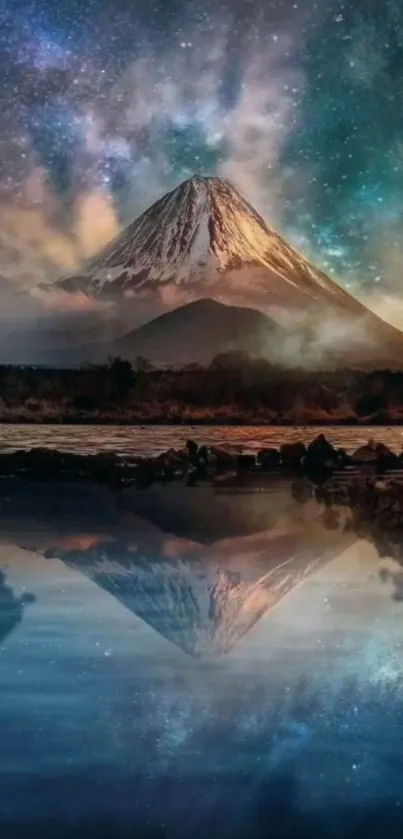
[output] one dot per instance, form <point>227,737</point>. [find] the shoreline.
<point>162,422</point>
<point>368,482</point>
<point>200,462</point>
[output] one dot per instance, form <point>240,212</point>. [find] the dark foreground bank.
<point>233,390</point>
<point>317,462</point>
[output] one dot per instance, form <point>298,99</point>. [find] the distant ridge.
<point>198,331</point>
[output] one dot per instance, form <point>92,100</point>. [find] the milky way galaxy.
<point>106,105</point>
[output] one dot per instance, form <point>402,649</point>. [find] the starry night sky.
<point>106,104</point>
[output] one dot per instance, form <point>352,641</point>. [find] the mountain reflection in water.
<point>193,662</point>
<point>11,607</point>
<point>204,597</point>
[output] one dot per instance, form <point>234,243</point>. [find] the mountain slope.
<point>197,332</point>
<point>198,605</point>
<point>194,235</point>
<point>205,328</point>
<point>204,240</point>
<point>202,567</point>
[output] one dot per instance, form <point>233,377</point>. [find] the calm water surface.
<point>195,665</point>
<point>155,439</point>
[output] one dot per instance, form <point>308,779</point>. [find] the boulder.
<point>225,457</point>
<point>386,458</point>
<point>292,455</point>
<point>366,454</point>
<point>269,459</point>
<point>192,451</point>
<point>203,455</point>
<point>318,471</point>
<point>322,449</point>
<point>245,462</point>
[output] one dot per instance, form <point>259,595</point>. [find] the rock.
<point>386,458</point>
<point>203,455</point>
<point>366,454</point>
<point>318,471</point>
<point>171,464</point>
<point>192,451</point>
<point>106,469</point>
<point>314,465</point>
<point>269,459</point>
<point>225,457</point>
<point>202,463</point>
<point>321,460</point>
<point>322,449</point>
<point>245,462</point>
<point>292,455</point>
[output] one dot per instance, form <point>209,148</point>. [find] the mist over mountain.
<point>202,236</point>
<point>158,289</point>
<point>199,331</point>
<point>204,597</point>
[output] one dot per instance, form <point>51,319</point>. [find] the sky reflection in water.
<point>195,663</point>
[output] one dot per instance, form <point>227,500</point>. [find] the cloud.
<point>40,239</point>
<point>95,222</point>
<point>182,90</point>
<point>388,306</point>
<point>257,127</point>
<point>318,341</point>
<point>32,248</point>
<point>55,300</point>
<point>200,102</point>
<point>170,113</point>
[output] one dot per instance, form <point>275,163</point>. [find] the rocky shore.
<point>315,464</point>
<point>367,483</point>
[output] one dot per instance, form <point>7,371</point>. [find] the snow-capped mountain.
<point>201,608</point>
<point>195,236</point>
<point>203,600</point>
<point>203,240</point>
<point>200,567</point>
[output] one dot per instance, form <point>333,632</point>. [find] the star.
<point>299,104</point>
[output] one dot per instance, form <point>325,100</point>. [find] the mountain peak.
<point>200,606</point>
<point>199,331</point>
<point>199,230</point>
<point>210,181</point>
<point>204,237</point>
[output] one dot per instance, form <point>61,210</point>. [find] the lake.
<point>155,439</point>
<point>195,664</point>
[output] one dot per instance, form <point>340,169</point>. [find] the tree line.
<point>234,384</point>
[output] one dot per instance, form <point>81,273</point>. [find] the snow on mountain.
<point>203,240</point>
<point>200,605</point>
<point>192,237</point>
